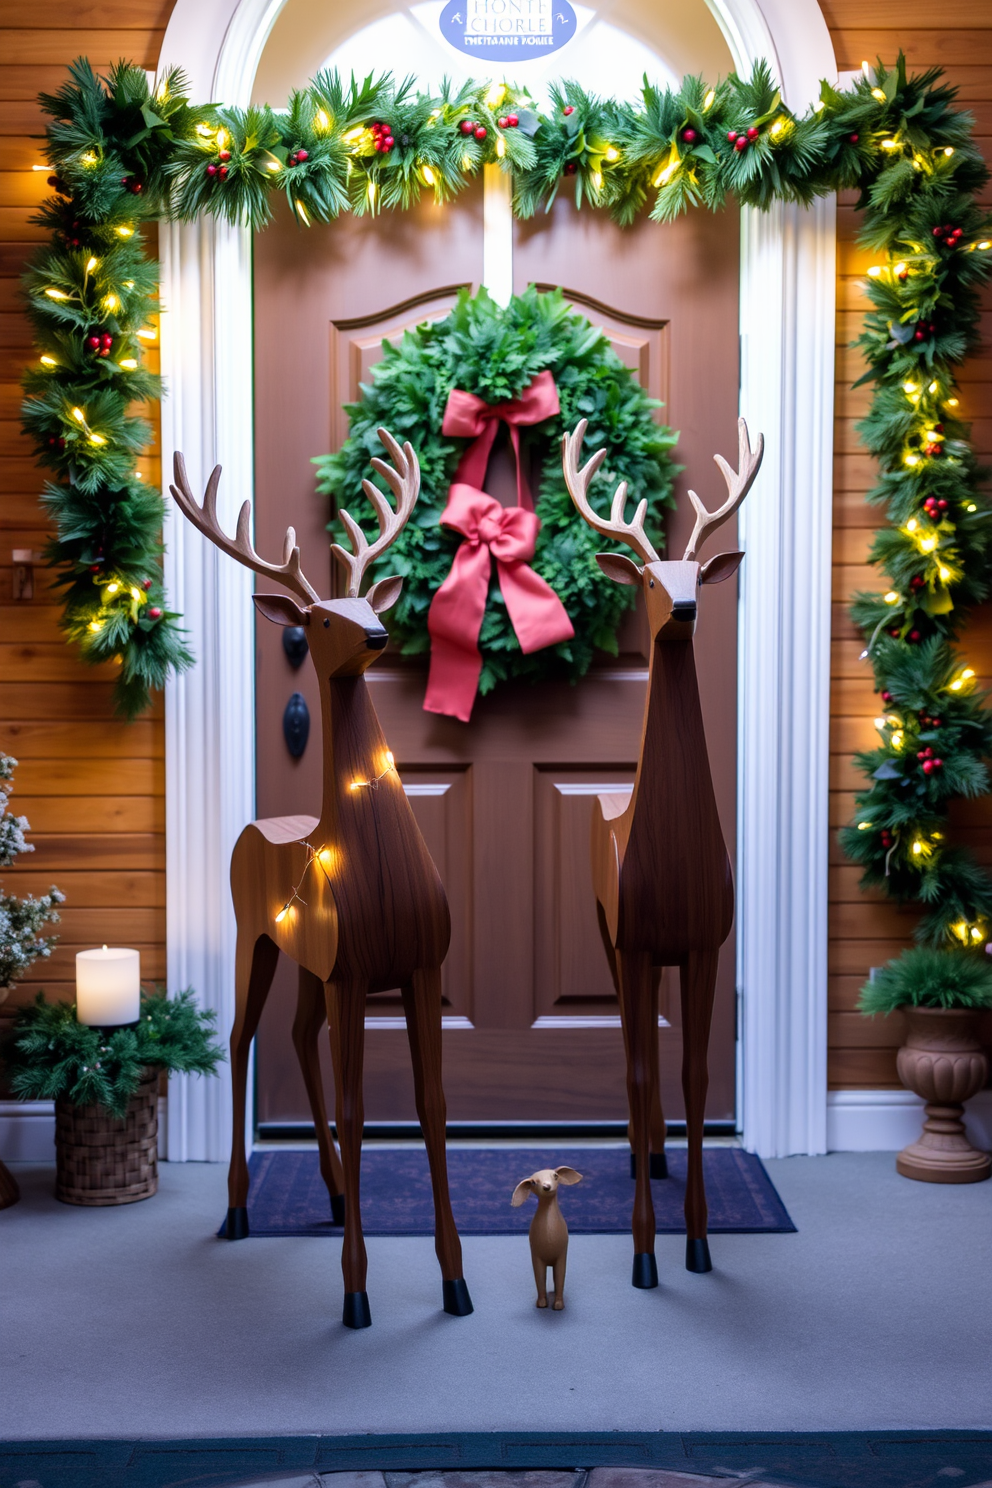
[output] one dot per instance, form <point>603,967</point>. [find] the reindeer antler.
<point>204,518</point>
<point>739,482</point>
<point>404,482</point>
<point>577,481</point>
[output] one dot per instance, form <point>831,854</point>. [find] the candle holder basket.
<point>103,1159</point>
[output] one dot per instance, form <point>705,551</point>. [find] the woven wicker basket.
<point>104,1159</point>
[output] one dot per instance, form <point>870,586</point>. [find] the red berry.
<point>853,138</point>
<point>741,143</point>
<point>914,636</point>
<point>137,187</point>
<point>886,696</point>
<point>502,122</point>
<point>224,155</point>
<point>389,142</point>
<point>690,136</point>
<point>146,583</point>
<point>222,173</point>
<point>107,339</point>
<point>211,170</point>
<point>480,133</point>
<point>942,504</point>
<point>917,335</point>
<point>303,154</point>
<point>154,613</point>
<point>568,109</point>
<point>731,135</point>
<point>938,764</point>
<point>895,631</point>
<point>512,120</point>
<point>571,167</point>
<point>937,231</point>
<point>927,767</point>
<point>466,126</point>
<point>753,132</point>
<point>93,342</point>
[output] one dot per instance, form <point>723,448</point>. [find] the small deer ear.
<point>569,1175</point>
<point>618,568</point>
<point>384,593</point>
<point>280,609</point>
<point>521,1192</point>
<point>723,566</point>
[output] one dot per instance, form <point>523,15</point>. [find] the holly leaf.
<point>528,122</point>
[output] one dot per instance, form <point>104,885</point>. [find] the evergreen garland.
<point>120,155</point>
<point>496,353</point>
<point>52,1057</point>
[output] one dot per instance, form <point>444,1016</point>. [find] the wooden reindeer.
<point>664,891</point>
<point>353,897</point>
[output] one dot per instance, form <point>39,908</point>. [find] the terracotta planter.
<point>943,1062</point>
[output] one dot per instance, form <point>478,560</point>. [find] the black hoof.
<point>658,1167</point>
<point>697,1255</point>
<point>337,1208</point>
<point>356,1310</point>
<point>237,1225</point>
<point>456,1298</point>
<point>645,1274</point>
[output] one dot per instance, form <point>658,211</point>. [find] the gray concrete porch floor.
<point>137,1322</point>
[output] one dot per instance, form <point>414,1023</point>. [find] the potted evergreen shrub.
<point>942,995</point>
<point>21,922</point>
<point>104,1083</point>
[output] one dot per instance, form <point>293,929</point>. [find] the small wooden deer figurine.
<point>548,1230</point>
<point>664,891</point>
<point>353,897</point>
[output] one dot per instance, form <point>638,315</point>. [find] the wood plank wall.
<point>866,931</point>
<point>91,787</point>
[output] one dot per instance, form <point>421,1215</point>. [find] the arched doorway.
<point>787,330</point>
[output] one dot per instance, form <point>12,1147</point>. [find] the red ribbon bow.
<point>468,417</point>
<point>509,535</point>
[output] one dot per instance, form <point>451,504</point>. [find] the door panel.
<point>531,1023</point>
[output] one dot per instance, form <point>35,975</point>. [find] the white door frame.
<point>787,375</point>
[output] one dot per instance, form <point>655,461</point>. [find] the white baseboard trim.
<point>27,1131</point>
<point>887,1120</point>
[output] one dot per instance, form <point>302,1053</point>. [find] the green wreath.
<point>496,353</point>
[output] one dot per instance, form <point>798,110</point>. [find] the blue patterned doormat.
<point>288,1196</point>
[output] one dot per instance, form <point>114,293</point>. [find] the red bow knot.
<point>539,618</point>
<point>468,417</point>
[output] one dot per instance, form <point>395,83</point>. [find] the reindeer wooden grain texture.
<point>664,890</point>
<point>352,896</point>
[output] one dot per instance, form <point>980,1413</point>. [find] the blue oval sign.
<point>508,28</point>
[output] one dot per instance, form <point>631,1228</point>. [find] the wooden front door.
<point>532,1032</point>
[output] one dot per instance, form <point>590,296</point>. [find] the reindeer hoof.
<point>542,1301</point>
<point>356,1310</point>
<point>457,1301</point>
<point>645,1273</point>
<point>559,1306</point>
<point>337,1209</point>
<point>697,1255</point>
<point>236,1227</point>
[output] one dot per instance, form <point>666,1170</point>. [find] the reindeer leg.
<point>698,981</point>
<point>541,1277</point>
<point>346,1026</point>
<point>659,1163</point>
<point>255,966</point>
<point>634,972</point>
<point>311,1012</point>
<point>422,1005</point>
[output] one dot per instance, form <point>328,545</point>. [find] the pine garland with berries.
<point>120,156</point>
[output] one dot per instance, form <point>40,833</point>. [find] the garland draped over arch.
<point>122,155</point>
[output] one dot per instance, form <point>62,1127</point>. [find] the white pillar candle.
<point>108,986</point>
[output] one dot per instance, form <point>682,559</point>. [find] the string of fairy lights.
<point>121,155</point>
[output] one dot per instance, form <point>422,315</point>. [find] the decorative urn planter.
<point>943,1062</point>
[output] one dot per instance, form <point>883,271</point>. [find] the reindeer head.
<point>344,635</point>
<point>670,588</point>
